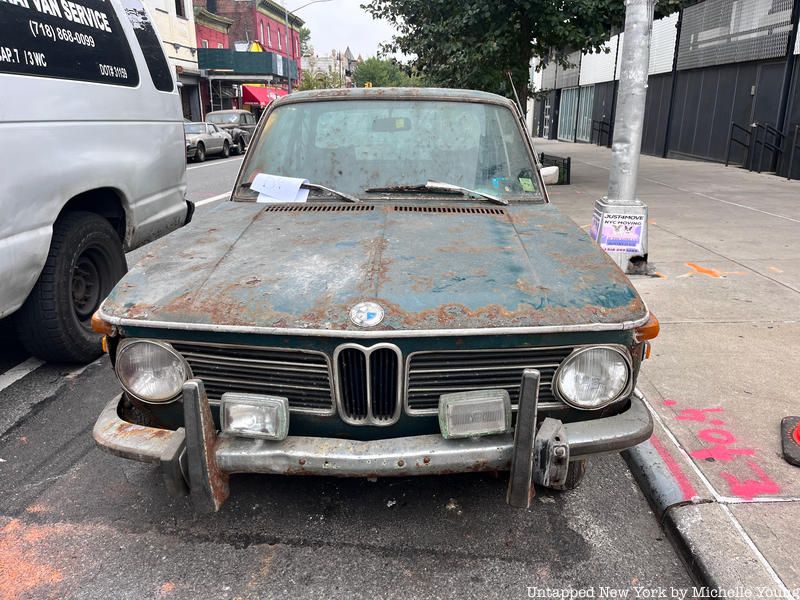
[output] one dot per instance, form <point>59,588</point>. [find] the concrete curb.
<point>654,478</point>
<point>703,531</point>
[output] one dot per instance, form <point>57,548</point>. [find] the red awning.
<point>261,96</point>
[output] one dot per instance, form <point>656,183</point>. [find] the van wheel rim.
<point>88,282</point>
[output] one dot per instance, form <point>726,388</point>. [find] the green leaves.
<point>473,43</point>
<point>380,73</point>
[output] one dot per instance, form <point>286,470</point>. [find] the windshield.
<point>357,145</point>
<point>223,119</point>
<point>190,128</point>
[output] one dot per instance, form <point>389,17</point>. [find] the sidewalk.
<point>725,244</point>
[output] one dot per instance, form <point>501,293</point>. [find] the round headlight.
<point>150,371</point>
<point>593,377</point>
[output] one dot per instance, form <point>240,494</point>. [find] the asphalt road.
<point>78,523</point>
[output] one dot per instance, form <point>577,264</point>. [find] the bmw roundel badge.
<point>366,314</point>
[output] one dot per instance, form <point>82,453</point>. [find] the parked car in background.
<point>417,307</point>
<point>203,139</point>
<point>239,123</point>
<point>91,124</point>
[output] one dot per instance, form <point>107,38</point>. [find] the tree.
<point>305,40</point>
<point>319,80</point>
<point>474,43</point>
<point>381,73</point>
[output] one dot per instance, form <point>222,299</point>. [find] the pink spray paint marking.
<point>748,489</point>
<point>687,489</point>
<point>695,414</point>
<point>720,449</point>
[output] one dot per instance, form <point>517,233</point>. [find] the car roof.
<point>226,111</point>
<point>396,93</point>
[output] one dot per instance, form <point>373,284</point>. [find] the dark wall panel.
<point>723,111</point>
<point>602,106</point>
<point>655,113</point>
<point>768,91</point>
<point>793,120</point>
<point>706,104</point>
<point>707,100</point>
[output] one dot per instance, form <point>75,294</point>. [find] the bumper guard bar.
<point>198,459</point>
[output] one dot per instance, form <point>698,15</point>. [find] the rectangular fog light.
<point>255,415</point>
<point>470,414</point>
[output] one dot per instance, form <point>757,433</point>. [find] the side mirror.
<point>549,175</point>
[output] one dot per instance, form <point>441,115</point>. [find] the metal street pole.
<point>286,24</point>
<point>619,223</point>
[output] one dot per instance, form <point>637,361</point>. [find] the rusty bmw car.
<point>389,292</point>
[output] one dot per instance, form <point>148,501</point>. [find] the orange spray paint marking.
<point>660,275</point>
<point>166,588</point>
<point>776,270</point>
<point>704,271</point>
<point>22,571</point>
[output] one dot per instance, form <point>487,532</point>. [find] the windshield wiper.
<point>322,188</point>
<point>312,186</point>
<point>435,186</point>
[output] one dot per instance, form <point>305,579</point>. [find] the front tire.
<point>240,146</point>
<point>226,149</point>
<point>84,263</point>
<point>575,474</point>
<point>200,153</point>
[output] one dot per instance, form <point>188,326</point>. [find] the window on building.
<point>204,43</point>
<point>280,35</point>
<point>261,31</point>
<point>220,45</point>
<point>180,8</point>
<point>269,35</point>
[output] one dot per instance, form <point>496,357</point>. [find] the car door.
<point>250,124</point>
<point>216,137</point>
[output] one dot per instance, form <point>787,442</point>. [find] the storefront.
<point>189,86</point>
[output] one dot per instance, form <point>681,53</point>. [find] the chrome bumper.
<point>297,455</point>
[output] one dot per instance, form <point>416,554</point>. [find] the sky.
<point>341,23</point>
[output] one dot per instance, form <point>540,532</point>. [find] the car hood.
<point>193,137</point>
<point>270,268</point>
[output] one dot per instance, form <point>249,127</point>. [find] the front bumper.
<point>211,457</point>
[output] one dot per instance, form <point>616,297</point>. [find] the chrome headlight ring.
<point>623,392</point>
<point>170,391</point>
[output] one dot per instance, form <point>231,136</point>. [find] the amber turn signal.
<point>100,326</point>
<point>649,330</point>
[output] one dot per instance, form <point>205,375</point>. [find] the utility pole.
<point>286,19</point>
<point>619,222</point>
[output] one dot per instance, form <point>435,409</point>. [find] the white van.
<point>92,161</point>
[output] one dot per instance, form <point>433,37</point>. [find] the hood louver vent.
<point>320,208</point>
<point>458,210</point>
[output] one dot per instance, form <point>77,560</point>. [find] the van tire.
<point>226,149</point>
<point>200,153</point>
<point>85,262</point>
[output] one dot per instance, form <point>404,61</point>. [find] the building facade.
<point>174,21</point>
<point>724,84</point>
<point>263,22</point>
<point>212,31</point>
<point>340,64</point>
